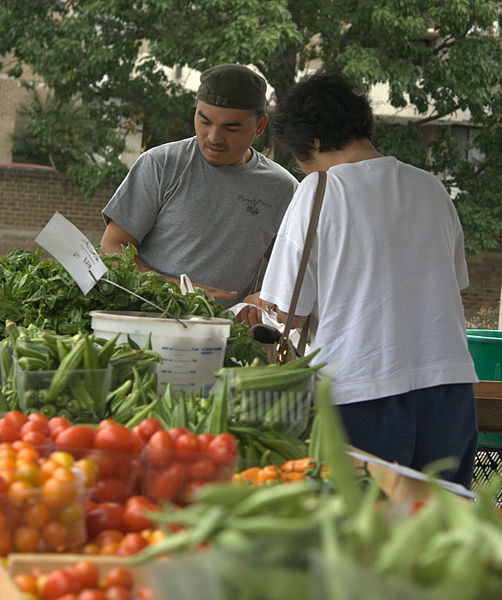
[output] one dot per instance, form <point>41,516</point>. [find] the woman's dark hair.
<point>326,106</point>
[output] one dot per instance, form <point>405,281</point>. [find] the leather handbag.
<point>278,346</point>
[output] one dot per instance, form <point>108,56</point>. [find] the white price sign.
<point>73,250</point>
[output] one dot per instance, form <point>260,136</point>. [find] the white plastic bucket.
<point>190,355</point>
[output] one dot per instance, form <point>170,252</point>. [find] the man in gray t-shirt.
<point>208,206</point>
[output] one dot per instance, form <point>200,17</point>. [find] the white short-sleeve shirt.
<point>383,281</point>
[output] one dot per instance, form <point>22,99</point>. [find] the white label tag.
<point>73,250</point>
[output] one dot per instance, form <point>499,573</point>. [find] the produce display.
<point>307,540</point>
<point>194,492</point>
<point>81,580</point>
<point>42,501</point>
<point>41,292</point>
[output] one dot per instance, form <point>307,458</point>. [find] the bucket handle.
<point>186,286</point>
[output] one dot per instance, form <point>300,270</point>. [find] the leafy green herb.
<point>40,291</point>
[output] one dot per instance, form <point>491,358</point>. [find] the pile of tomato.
<point>120,529</point>
<point>177,462</point>
<point>163,465</point>
<point>81,581</point>
<point>42,499</point>
<point>59,481</point>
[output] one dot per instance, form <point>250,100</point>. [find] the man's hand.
<point>250,315</point>
<point>215,293</point>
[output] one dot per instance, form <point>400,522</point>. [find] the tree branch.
<point>473,175</point>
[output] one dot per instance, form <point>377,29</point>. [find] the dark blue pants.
<point>418,427</point>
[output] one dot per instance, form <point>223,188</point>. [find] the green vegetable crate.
<point>485,346</point>
<point>285,407</point>
<point>81,394</point>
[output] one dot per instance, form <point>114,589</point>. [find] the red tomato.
<point>148,427</point>
<point>105,422</point>
<point>131,544</point>
<point>187,447</point>
<point>15,418</point>
<point>118,577</point>
<point>139,442</point>
<point>175,432</point>
<point>165,484</point>
<point>144,593</point>
<point>55,431</point>
<point>134,516</point>
<point>76,436</point>
<point>160,449</point>
<point>116,438</point>
<point>223,449</point>
<point>58,423</point>
<point>58,583</point>
<point>118,593</point>
<point>91,595</point>
<point>8,433</point>
<point>204,440</point>
<point>108,463</point>
<point>37,416</point>
<point>38,440</point>
<point>190,488</point>
<point>39,426</point>
<point>110,489</point>
<point>203,469</point>
<point>109,537</point>
<point>86,572</point>
<point>107,515</point>
<point>138,499</point>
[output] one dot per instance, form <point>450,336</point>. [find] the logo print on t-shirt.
<point>253,204</point>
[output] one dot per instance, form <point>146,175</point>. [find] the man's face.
<point>224,135</point>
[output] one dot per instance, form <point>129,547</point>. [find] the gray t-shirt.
<point>213,223</point>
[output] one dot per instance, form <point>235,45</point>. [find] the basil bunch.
<point>40,291</point>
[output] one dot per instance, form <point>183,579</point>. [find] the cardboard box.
<point>402,483</point>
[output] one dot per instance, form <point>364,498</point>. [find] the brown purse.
<point>278,347</point>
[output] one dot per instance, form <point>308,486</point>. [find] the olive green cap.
<point>232,86</point>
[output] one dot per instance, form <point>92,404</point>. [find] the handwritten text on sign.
<point>73,250</point>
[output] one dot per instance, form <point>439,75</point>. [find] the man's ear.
<point>261,124</point>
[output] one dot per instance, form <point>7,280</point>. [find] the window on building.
<point>463,135</point>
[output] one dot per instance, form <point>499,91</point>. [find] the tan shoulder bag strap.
<point>309,239</point>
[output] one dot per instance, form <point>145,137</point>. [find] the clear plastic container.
<point>287,410</point>
<point>175,476</point>
<point>83,394</point>
<point>49,518</point>
<point>117,476</point>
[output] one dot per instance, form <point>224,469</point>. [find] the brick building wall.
<point>485,274</point>
<point>30,196</point>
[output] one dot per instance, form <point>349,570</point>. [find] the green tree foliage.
<point>102,62</point>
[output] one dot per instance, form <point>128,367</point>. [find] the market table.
<point>488,461</point>
<point>488,396</point>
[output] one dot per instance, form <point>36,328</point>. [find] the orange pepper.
<point>250,474</point>
<point>268,473</point>
<point>299,465</point>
